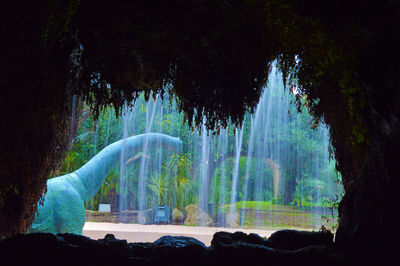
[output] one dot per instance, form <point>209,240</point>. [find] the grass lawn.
<point>254,205</point>
<point>266,214</point>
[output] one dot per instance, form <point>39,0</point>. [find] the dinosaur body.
<point>63,209</point>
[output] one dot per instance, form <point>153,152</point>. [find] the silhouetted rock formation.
<point>226,249</point>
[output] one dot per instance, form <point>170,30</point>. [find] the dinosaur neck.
<point>94,172</point>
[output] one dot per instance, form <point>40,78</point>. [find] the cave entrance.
<point>273,172</point>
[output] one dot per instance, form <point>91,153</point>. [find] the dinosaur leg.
<point>69,211</point>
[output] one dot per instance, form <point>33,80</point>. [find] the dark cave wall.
<point>35,110</point>
<point>361,106</point>
<point>369,208</point>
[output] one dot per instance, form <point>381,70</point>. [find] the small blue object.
<point>162,214</point>
<point>104,207</point>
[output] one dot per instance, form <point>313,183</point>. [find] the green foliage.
<point>159,186</point>
<point>312,192</point>
<point>253,205</point>
<point>172,185</point>
<point>70,163</point>
<point>181,180</point>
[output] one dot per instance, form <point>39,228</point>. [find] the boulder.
<point>177,250</point>
<point>174,242</point>
<point>98,216</point>
<point>232,219</point>
<point>145,216</point>
<point>142,217</point>
<point>177,216</point>
<point>225,238</point>
<point>295,239</point>
<point>196,216</point>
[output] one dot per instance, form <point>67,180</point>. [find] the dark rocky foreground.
<point>285,247</point>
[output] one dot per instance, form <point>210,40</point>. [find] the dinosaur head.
<point>173,144</point>
<point>166,141</point>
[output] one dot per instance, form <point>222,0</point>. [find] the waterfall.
<point>235,176</point>
<point>144,163</point>
<point>204,164</point>
<point>221,189</point>
<point>123,198</point>
<point>275,170</point>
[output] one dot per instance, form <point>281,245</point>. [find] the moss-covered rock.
<point>196,216</point>
<point>177,216</point>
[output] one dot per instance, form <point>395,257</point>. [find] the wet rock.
<point>178,242</point>
<point>227,249</point>
<point>178,250</point>
<point>196,216</point>
<point>243,253</point>
<point>294,239</point>
<point>241,249</point>
<point>226,238</point>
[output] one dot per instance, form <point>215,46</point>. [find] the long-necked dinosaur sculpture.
<point>63,209</point>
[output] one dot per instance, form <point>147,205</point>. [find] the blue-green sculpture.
<point>63,209</point>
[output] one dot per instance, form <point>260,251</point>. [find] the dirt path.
<point>150,233</point>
